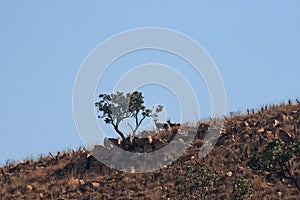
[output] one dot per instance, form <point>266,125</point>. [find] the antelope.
<point>160,126</point>
<point>173,126</point>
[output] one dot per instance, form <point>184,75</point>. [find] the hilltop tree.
<point>115,108</point>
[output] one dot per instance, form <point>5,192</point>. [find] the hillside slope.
<point>78,175</point>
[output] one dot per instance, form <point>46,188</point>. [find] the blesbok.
<point>160,125</point>
<point>173,126</point>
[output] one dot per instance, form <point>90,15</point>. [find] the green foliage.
<point>241,189</point>
<point>198,180</point>
<point>272,158</point>
<point>275,159</point>
<point>115,108</point>
<point>294,148</point>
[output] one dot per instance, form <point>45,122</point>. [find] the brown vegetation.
<point>78,175</point>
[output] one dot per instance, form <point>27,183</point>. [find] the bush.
<point>241,189</point>
<point>275,159</point>
<point>197,181</point>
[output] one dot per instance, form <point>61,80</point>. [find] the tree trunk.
<point>120,133</point>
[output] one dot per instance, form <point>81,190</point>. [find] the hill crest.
<point>78,175</point>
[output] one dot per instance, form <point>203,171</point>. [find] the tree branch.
<point>291,177</point>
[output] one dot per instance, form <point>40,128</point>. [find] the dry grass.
<point>66,175</point>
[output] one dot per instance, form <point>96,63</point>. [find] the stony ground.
<point>78,175</point>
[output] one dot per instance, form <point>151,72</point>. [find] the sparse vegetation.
<point>264,136</point>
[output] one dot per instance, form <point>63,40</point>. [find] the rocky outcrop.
<point>79,175</point>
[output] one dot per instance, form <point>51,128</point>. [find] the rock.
<point>229,174</point>
<point>181,140</point>
<point>16,193</point>
<point>81,182</point>
<point>261,130</point>
<point>95,184</point>
<point>270,184</point>
<point>276,123</point>
<point>29,188</point>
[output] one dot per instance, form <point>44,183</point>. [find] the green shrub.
<point>241,189</point>
<point>197,181</point>
<point>275,159</point>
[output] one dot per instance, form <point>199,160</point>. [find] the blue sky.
<point>255,44</point>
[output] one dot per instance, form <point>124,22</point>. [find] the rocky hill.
<point>225,173</point>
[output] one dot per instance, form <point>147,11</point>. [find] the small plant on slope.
<point>198,180</point>
<point>241,189</point>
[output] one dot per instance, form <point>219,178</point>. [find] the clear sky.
<point>255,45</point>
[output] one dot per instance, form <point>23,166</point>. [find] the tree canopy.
<point>114,108</point>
